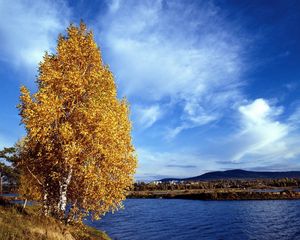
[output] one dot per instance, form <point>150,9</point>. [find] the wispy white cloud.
<point>261,130</point>
<point>262,137</point>
<point>29,28</point>
<point>291,86</point>
<point>194,115</point>
<point>169,49</point>
<point>145,117</point>
<point>294,118</point>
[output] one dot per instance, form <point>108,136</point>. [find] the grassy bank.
<point>28,224</point>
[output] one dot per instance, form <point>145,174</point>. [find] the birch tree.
<point>78,149</point>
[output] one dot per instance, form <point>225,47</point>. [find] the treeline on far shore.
<point>218,184</point>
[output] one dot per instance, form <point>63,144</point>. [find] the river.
<point>168,219</point>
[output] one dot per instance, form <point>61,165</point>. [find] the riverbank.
<point>222,194</point>
<point>28,224</point>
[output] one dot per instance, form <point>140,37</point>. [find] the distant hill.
<point>237,174</point>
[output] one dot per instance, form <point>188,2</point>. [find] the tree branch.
<point>35,177</point>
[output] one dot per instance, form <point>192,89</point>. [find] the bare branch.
<point>35,177</point>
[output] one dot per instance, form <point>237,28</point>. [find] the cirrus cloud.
<point>187,55</point>
<point>29,28</point>
<point>262,138</point>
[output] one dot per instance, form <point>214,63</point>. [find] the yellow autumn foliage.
<point>77,130</point>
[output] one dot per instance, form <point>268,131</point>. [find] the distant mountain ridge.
<point>237,174</point>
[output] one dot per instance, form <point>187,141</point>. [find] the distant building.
<point>156,182</point>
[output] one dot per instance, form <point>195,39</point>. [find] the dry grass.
<point>16,224</point>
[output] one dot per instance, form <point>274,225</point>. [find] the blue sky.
<point>213,85</point>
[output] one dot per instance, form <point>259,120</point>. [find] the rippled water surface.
<point>193,219</point>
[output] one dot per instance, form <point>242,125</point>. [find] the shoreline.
<point>223,194</point>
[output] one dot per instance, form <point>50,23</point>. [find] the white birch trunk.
<point>25,203</point>
<point>63,188</point>
<point>45,203</point>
